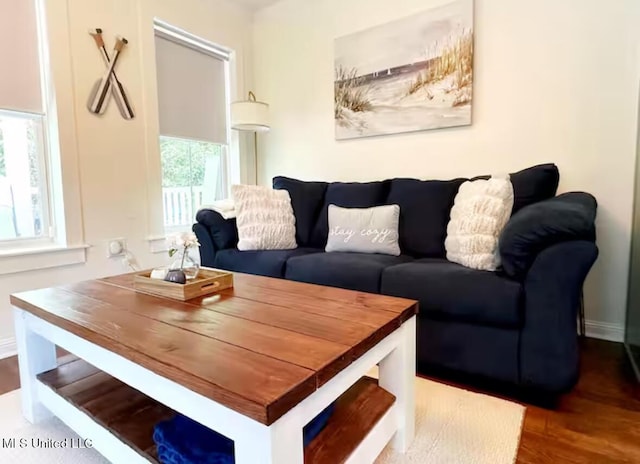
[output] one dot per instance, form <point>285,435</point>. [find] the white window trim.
<point>29,259</point>
<point>156,237</point>
<point>186,39</point>
<point>68,246</point>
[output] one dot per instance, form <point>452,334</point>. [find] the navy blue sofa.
<point>517,325</point>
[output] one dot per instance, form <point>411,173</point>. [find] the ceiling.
<point>256,4</point>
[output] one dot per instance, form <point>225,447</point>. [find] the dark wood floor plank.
<point>598,422</point>
<point>539,449</point>
<point>9,375</point>
<point>357,411</point>
<point>258,386</point>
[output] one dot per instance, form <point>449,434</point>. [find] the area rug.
<point>453,426</point>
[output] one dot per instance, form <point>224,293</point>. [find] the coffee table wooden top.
<point>258,348</point>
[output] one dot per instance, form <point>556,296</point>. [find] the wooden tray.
<point>208,281</point>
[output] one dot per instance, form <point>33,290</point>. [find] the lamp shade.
<point>250,115</point>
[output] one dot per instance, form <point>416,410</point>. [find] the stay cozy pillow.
<point>364,230</point>
<point>480,211</point>
<point>264,218</point>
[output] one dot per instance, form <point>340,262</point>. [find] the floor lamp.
<point>251,116</point>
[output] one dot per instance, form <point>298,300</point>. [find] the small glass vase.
<point>183,261</point>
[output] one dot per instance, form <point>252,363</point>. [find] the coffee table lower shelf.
<point>94,402</point>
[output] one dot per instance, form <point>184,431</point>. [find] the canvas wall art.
<point>411,74</point>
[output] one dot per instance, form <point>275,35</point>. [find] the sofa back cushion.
<point>532,185</point>
<point>347,195</point>
<point>425,206</point>
<point>306,199</point>
<point>424,213</point>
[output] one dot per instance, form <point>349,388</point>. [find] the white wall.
<point>555,81</point>
<point>118,166</point>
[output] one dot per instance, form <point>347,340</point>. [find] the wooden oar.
<point>98,96</point>
<point>117,89</point>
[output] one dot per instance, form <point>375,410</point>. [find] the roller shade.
<point>191,92</point>
<point>20,87</point>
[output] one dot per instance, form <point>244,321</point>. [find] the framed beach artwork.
<point>411,74</point>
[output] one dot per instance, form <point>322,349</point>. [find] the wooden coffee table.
<point>255,363</point>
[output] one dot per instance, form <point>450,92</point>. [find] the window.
<point>193,111</point>
<point>24,212</point>
<point>24,191</point>
<point>191,177</point>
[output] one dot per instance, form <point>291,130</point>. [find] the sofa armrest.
<point>570,216</point>
<point>215,233</point>
<point>207,250</point>
<point>549,351</point>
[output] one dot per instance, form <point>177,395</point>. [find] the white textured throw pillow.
<point>480,212</point>
<point>264,218</point>
<point>364,230</point>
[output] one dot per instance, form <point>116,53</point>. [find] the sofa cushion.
<point>480,212</point>
<point>347,195</point>
<point>307,199</point>
<point>364,230</point>
<point>265,218</point>
<point>270,263</point>
<point>224,232</point>
<point>532,185</point>
<point>354,271</point>
<point>449,291</point>
<point>424,213</point>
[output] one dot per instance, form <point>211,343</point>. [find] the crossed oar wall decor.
<point>109,85</point>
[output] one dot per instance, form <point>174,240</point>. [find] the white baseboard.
<point>605,331</point>
<point>7,347</point>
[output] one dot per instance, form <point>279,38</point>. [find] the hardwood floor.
<point>9,377</point>
<point>597,423</point>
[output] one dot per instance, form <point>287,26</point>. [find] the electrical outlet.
<point>116,247</point>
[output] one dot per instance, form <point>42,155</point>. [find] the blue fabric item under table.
<point>181,440</point>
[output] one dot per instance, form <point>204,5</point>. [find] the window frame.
<point>66,245</point>
<point>184,38</point>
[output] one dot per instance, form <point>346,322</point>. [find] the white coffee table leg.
<point>280,443</point>
<point>397,375</point>
<point>35,355</point>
